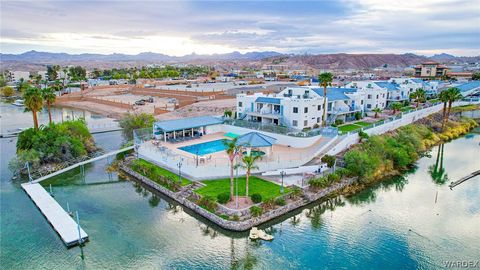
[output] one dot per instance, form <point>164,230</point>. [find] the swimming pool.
<point>204,148</point>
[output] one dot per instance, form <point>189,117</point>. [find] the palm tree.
<point>418,95</point>
<point>233,150</point>
<point>21,85</point>
<point>453,95</point>
<point>395,107</point>
<point>33,102</point>
<point>49,97</point>
<point>377,111</point>
<point>249,165</point>
<point>325,79</point>
<point>444,98</point>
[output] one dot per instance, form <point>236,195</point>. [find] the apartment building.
<point>300,107</point>
<point>375,96</point>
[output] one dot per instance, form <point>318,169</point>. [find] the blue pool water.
<point>204,148</point>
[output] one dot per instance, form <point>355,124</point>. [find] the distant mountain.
<point>34,60</point>
<point>442,57</point>
<point>46,57</point>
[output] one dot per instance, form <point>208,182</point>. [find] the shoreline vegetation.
<point>49,147</point>
<point>373,160</point>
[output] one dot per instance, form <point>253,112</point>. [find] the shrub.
<point>256,198</point>
<point>358,115</point>
<point>363,135</point>
<point>235,217</point>
<point>268,204</point>
<point>130,122</point>
<point>208,203</point>
<point>296,192</point>
<point>7,91</point>
<point>342,172</point>
<point>256,211</point>
<point>316,126</point>
<point>330,160</point>
<point>338,122</point>
<point>223,198</point>
<point>333,177</point>
<point>280,201</point>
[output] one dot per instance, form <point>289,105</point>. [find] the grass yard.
<point>155,171</point>
<point>256,185</point>
<point>406,108</point>
<point>363,124</point>
<point>348,127</point>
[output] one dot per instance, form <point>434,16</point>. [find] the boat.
<point>259,234</point>
<point>19,103</point>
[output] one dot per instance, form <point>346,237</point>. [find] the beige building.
<point>430,69</point>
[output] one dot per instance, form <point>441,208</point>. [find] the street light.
<point>179,165</point>
<point>282,173</point>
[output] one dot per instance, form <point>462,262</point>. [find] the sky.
<point>178,28</point>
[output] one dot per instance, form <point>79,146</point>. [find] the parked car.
<point>150,99</point>
<point>139,102</point>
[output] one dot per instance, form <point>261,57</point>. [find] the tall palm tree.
<point>453,95</point>
<point>325,79</point>
<point>21,85</point>
<point>33,102</point>
<point>395,107</point>
<point>444,98</point>
<point>233,150</point>
<point>49,97</point>
<point>418,95</point>
<point>249,165</point>
<point>377,111</point>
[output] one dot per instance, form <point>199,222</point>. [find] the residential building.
<point>300,107</point>
<point>374,95</point>
<point>471,88</point>
<point>17,75</point>
<point>430,69</point>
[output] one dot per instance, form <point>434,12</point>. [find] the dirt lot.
<point>210,107</point>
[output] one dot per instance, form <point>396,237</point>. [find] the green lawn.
<point>158,171</point>
<point>363,124</point>
<point>348,127</point>
<point>406,108</point>
<point>256,185</point>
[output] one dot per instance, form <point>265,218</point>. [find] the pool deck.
<point>217,165</point>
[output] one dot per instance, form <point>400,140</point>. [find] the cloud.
<point>182,27</point>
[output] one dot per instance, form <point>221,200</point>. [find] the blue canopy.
<point>255,139</point>
<point>186,123</point>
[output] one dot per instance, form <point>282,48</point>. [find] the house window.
<point>240,104</point>
<point>319,107</point>
<point>294,123</point>
<point>377,96</point>
<point>305,110</point>
<point>295,109</point>
<point>305,123</point>
<point>361,102</point>
<point>369,106</point>
<point>318,119</point>
<point>369,96</point>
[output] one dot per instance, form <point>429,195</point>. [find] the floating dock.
<point>60,220</point>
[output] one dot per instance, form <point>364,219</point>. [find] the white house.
<point>300,107</point>
<point>375,96</point>
<point>17,75</point>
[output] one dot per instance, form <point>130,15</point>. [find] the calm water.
<point>396,224</point>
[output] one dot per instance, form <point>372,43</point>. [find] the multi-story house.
<point>430,69</point>
<point>300,107</point>
<point>374,95</point>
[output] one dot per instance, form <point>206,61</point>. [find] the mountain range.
<point>35,60</point>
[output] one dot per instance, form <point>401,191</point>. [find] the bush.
<point>330,160</point>
<point>223,198</point>
<point>358,115</point>
<point>338,122</point>
<point>208,203</point>
<point>333,177</point>
<point>130,122</point>
<point>7,91</point>
<point>256,198</point>
<point>256,211</point>
<point>363,135</point>
<point>280,201</point>
<point>316,126</point>
<point>235,217</point>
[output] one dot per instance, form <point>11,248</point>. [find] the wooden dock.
<point>60,220</point>
<point>463,179</point>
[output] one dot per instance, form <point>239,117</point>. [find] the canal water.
<point>406,222</point>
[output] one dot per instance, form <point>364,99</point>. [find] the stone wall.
<point>236,225</point>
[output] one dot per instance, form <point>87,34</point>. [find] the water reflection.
<point>437,171</point>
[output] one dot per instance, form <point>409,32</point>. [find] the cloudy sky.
<point>204,27</point>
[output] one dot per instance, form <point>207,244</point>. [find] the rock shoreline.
<point>181,197</point>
